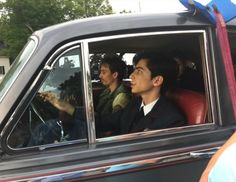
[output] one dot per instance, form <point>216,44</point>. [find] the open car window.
<point>42,122</point>
<point>189,90</point>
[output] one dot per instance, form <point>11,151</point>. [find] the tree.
<point>19,18</point>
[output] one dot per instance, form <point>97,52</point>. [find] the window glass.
<point>186,90</point>
<point>49,118</point>
<point>17,66</point>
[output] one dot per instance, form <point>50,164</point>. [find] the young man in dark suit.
<point>149,109</point>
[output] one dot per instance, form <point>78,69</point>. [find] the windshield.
<point>17,66</point>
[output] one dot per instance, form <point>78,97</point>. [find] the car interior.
<point>189,93</point>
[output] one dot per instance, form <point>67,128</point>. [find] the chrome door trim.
<point>149,33</point>
<point>88,94</point>
<point>110,169</point>
<point>151,133</point>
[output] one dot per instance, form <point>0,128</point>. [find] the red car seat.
<point>192,104</point>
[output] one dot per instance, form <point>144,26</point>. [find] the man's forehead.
<point>105,66</point>
<point>141,63</point>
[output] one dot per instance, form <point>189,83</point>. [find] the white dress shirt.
<point>147,108</point>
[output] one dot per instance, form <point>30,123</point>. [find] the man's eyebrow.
<point>139,68</point>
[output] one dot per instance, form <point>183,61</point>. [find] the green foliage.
<point>19,18</point>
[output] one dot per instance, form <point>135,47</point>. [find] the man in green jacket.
<point>116,95</point>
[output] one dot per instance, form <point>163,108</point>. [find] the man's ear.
<point>158,80</point>
<point>115,75</point>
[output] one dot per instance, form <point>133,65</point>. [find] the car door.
<point>188,148</point>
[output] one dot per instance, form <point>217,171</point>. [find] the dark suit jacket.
<point>164,114</point>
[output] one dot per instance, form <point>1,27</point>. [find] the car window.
<point>43,121</point>
<point>18,65</point>
<point>187,90</point>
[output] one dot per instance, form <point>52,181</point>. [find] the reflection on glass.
<point>17,66</point>
<point>44,122</point>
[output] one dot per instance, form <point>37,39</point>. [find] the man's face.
<point>141,81</point>
<point>106,76</point>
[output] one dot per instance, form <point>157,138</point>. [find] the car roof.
<point>102,25</point>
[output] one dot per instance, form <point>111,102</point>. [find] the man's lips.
<point>132,84</point>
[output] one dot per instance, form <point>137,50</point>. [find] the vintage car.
<point>71,52</point>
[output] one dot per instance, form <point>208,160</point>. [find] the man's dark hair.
<point>115,64</point>
<point>159,64</point>
<point>71,90</point>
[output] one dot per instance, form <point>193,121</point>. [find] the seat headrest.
<point>192,104</point>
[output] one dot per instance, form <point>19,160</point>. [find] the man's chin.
<point>134,91</point>
<point>104,84</point>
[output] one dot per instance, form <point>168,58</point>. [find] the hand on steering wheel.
<point>57,102</point>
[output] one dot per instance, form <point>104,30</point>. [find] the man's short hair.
<point>159,64</point>
<point>115,64</point>
<point>71,90</point>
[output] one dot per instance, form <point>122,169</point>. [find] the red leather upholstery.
<point>192,103</point>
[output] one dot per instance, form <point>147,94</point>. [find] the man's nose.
<point>100,75</point>
<point>131,76</point>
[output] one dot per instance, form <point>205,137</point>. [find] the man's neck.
<point>150,97</point>
<point>113,86</point>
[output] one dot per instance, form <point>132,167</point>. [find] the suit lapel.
<point>132,114</point>
<point>147,121</point>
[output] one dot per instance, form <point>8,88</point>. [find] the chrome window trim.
<point>209,94</point>
<point>61,50</point>
<point>206,73</point>
<point>87,90</point>
<point>88,93</point>
<point>87,86</point>
<point>160,132</point>
<point>53,60</point>
<point>212,51</point>
<point>34,38</point>
<point>97,39</point>
<point>61,54</point>
<point>84,45</point>
<point>88,100</point>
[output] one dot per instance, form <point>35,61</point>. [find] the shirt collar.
<point>147,108</point>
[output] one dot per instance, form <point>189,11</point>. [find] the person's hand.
<point>56,102</point>
<point>50,97</point>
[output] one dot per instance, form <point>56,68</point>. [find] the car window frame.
<point>85,80</point>
<point>30,94</point>
<point>20,66</point>
<point>90,115</point>
<point>210,94</point>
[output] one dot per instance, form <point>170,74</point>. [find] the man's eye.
<point>138,71</point>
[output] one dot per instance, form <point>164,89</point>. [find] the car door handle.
<point>204,154</point>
